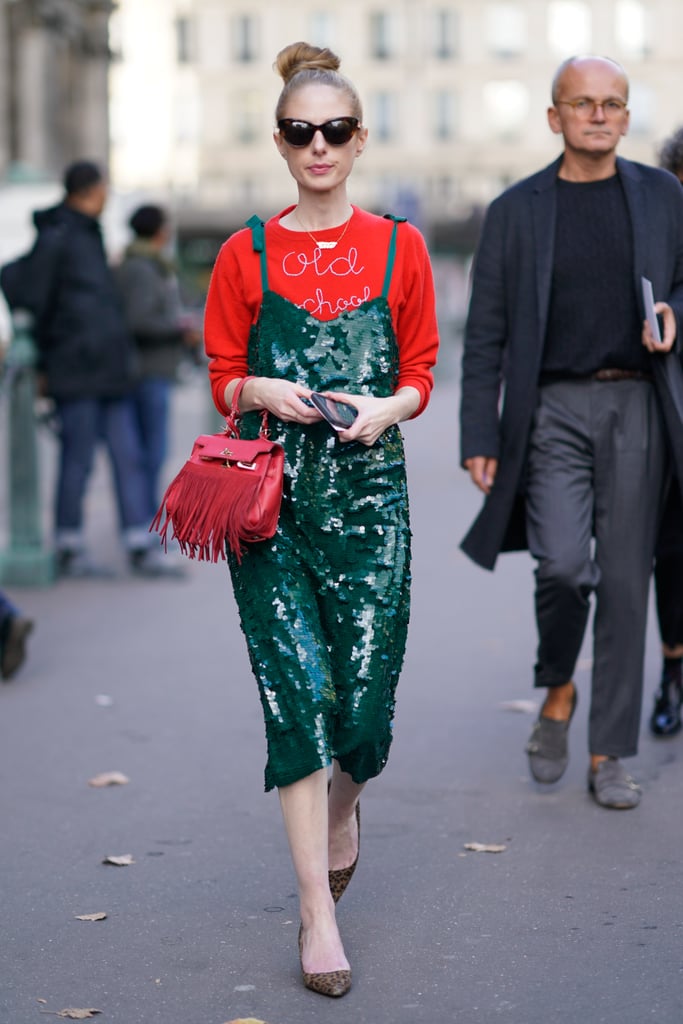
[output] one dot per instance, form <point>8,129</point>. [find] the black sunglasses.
<point>337,132</point>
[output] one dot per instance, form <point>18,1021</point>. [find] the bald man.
<point>574,462</point>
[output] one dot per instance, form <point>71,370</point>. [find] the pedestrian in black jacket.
<point>87,359</point>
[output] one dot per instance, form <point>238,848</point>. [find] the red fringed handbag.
<point>228,492</point>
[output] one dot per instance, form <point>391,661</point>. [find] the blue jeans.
<point>84,422</point>
<point>151,399</point>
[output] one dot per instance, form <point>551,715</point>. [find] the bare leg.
<point>558,703</point>
<point>343,828</point>
<point>304,809</point>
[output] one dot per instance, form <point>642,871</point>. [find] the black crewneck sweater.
<point>593,319</point>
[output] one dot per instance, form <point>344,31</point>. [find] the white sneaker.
<point>153,563</point>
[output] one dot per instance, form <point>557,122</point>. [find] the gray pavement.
<point>580,919</point>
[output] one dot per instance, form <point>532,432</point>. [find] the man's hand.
<point>668,334</point>
<point>482,471</point>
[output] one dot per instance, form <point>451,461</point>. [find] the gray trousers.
<point>596,471</point>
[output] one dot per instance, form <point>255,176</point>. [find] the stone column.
<point>5,94</point>
<point>91,108</point>
<point>58,88</point>
<point>34,59</point>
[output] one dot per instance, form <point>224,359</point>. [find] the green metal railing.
<point>25,561</point>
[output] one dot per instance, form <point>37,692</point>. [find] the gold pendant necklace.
<point>324,245</point>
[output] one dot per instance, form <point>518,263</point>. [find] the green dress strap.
<point>258,241</point>
<point>392,253</point>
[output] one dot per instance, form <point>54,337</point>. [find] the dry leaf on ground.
<point>120,862</point>
<point>76,1014</point>
<point>109,779</point>
<point>91,917</point>
<point>485,847</point>
<point>73,1013</point>
<point>246,1020</point>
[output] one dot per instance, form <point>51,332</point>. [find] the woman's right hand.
<point>285,400</point>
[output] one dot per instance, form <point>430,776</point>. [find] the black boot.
<point>13,636</point>
<point>666,715</point>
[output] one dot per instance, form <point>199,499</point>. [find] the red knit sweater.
<point>325,282</point>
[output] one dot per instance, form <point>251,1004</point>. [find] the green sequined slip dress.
<point>324,605</point>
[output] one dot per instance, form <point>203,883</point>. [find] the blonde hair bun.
<point>302,64</point>
<point>304,57</point>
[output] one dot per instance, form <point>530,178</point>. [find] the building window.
<point>445,115</point>
<point>245,38</point>
<point>115,36</point>
<point>506,105</point>
<point>381,35</point>
<point>632,27</point>
<point>443,189</point>
<point>506,29</point>
<point>249,193</point>
<point>323,30</point>
<point>187,120</point>
<point>383,107</point>
<point>445,33</point>
<point>184,40</point>
<point>248,117</point>
<point>569,27</point>
<point>641,103</point>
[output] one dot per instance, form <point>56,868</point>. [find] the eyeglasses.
<point>587,108</point>
<point>337,132</point>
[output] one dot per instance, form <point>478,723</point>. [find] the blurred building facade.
<point>455,95</point>
<point>177,96</point>
<point>54,67</point>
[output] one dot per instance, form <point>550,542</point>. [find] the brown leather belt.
<point>609,374</point>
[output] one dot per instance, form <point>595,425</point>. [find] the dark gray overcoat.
<point>506,327</point>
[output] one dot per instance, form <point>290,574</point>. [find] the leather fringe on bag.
<point>228,492</point>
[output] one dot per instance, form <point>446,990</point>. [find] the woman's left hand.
<point>376,414</point>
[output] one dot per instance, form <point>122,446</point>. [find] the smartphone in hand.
<point>339,415</point>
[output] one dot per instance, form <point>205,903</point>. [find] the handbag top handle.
<point>232,420</point>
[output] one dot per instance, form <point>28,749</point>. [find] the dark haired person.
<point>149,290</point>
<point>579,447</point>
<point>665,719</point>
<point>87,361</point>
<point>325,297</point>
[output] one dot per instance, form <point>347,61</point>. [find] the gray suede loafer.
<point>611,786</point>
<point>548,748</point>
